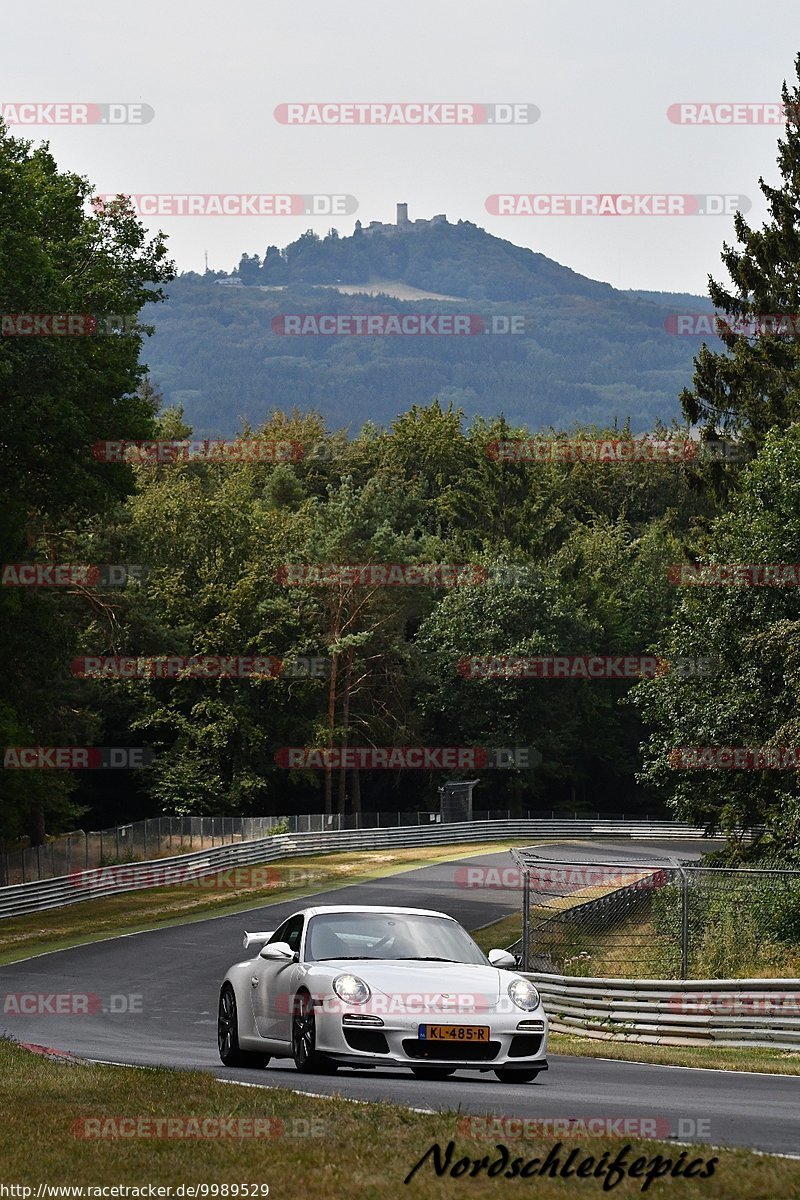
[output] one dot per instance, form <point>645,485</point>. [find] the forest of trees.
<point>580,560</point>
<point>585,351</point>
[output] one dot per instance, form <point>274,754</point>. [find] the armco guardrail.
<point>719,1012</point>
<point>108,881</point>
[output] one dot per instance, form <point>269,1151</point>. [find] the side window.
<point>278,934</point>
<point>291,932</point>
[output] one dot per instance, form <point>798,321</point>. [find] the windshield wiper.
<point>401,958</point>
<point>429,958</point>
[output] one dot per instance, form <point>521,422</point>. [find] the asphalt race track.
<point>172,978</point>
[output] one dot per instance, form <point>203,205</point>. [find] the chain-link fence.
<point>136,842</point>
<point>162,837</point>
<point>660,921</point>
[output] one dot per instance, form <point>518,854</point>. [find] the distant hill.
<point>587,352</point>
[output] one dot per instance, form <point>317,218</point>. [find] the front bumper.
<point>512,1042</point>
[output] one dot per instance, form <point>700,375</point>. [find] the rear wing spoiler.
<point>251,938</point>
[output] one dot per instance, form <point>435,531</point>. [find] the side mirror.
<point>502,958</point>
<point>280,951</point>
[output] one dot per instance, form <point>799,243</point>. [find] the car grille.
<point>369,1040</point>
<point>525,1045</point>
<point>452,1051</point>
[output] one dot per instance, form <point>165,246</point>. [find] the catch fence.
<point>669,920</point>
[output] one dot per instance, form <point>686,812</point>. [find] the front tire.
<point>511,1075</point>
<point>228,1034</point>
<point>433,1072</point>
<point>304,1040</point>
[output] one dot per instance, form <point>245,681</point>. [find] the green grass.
<point>721,1058</point>
<point>360,1151</point>
<point>500,933</point>
<point>151,908</point>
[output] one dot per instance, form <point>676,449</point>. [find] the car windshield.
<point>400,936</point>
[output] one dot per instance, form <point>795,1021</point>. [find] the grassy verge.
<point>235,891</point>
<point>500,933</point>
<point>611,952</point>
<point>720,1058</point>
<point>364,1151</point>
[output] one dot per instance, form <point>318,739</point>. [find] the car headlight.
<point>523,994</point>
<point>351,989</point>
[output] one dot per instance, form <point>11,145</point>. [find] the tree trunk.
<point>38,832</point>
<point>331,726</point>
<point>348,680</point>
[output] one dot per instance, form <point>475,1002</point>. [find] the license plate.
<point>454,1033</point>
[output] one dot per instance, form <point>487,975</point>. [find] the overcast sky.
<point>603,77</point>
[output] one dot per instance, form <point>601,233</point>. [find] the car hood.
<point>425,986</point>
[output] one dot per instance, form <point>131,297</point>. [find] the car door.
<point>273,984</point>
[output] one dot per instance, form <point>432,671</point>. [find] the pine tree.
<point>754,385</point>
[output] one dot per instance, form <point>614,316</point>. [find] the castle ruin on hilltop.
<point>402,223</point>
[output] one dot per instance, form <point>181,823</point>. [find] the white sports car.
<point>364,987</point>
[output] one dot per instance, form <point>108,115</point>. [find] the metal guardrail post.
<point>678,866</point>
<point>684,924</point>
